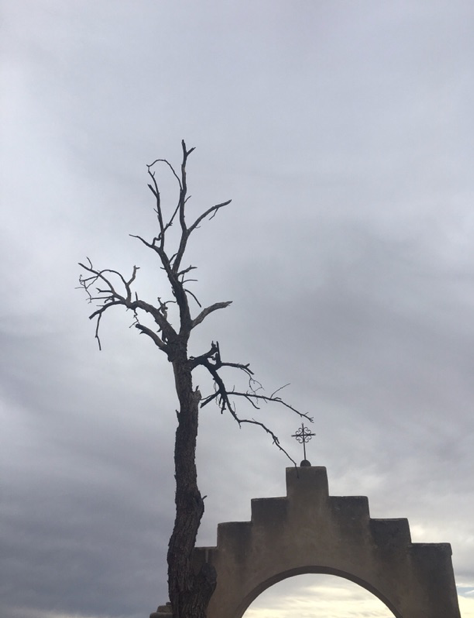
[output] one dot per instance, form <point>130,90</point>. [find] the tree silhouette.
<point>189,591</point>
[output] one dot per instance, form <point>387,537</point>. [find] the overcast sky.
<point>343,132</point>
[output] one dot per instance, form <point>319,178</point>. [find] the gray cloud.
<point>343,134</point>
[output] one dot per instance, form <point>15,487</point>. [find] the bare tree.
<point>189,591</point>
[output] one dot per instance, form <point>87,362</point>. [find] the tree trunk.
<point>189,591</point>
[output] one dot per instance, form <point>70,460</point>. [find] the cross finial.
<point>303,435</point>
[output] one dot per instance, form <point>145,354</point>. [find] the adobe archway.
<point>309,531</point>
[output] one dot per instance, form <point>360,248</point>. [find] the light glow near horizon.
<point>310,596</point>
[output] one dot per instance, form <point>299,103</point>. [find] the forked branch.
<point>224,397</point>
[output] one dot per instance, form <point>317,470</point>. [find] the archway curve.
<point>308,570</point>
<point>317,594</point>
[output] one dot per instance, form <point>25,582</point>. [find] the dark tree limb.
<point>224,396</point>
<point>205,312</point>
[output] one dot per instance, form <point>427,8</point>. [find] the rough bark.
<point>189,591</point>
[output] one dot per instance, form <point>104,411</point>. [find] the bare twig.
<point>224,396</point>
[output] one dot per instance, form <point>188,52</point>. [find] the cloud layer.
<point>343,134</point>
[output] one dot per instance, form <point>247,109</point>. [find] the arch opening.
<point>345,580</point>
<point>314,594</point>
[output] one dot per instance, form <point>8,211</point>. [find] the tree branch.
<point>223,396</point>
<point>109,297</point>
<point>274,437</point>
<point>210,211</point>
<point>147,331</point>
<point>205,312</point>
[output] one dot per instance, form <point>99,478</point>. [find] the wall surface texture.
<point>309,531</point>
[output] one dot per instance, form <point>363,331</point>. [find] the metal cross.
<point>303,435</point>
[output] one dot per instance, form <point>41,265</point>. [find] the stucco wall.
<point>309,531</point>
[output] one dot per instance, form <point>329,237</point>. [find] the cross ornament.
<point>303,435</point>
